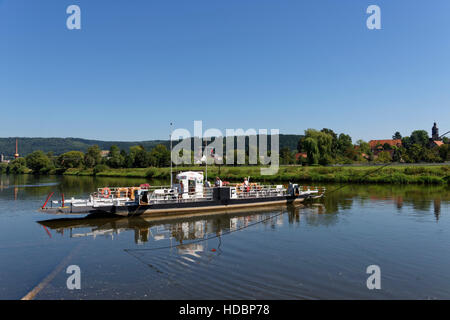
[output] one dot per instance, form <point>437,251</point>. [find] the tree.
<point>286,156</point>
<point>444,152</point>
<point>420,137</point>
<point>93,156</point>
<point>364,147</point>
<point>406,142</point>
<point>160,156</point>
<point>141,159</point>
<point>344,142</point>
<point>131,157</point>
<point>431,155</point>
<point>38,161</point>
<point>398,153</point>
<point>17,166</point>
<point>387,146</point>
<point>384,157</point>
<point>351,153</point>
<point>115,157</point>
<point>71,159</point>
<point>312,150</point>
<point>397,135</point>
<point>323,143</point>
<point>300,144</point>
<point>415,152</point>
<point>334,141</point>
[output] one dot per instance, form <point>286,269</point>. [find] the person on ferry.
<point>218,182</point>
<point>180,189</point>
<point>246,185</point>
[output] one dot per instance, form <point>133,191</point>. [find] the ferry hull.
<point>203,206</point>
<point>165,209</point>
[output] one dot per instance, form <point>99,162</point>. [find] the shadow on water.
<point>178,228</point>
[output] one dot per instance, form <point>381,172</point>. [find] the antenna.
<point>16,155</point>
<point>171,175</point>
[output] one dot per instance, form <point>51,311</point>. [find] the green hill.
<point>62,145</point>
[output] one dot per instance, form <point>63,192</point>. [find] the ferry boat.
<point>189,194</point>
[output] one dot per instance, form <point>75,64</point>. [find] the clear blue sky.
<point>137,65</point>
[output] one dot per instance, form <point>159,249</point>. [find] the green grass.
<point>365,174</point>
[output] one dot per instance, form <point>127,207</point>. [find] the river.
<point>315,251</point>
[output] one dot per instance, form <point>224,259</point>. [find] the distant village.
<point>417,147</point>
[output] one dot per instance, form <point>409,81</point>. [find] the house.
<point>436,143</point>
<point>365,156</point>
<point>375,144</point>
<point>301,155</point>
<point>104,153</point>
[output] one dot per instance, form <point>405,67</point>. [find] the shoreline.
<point>398,174</point>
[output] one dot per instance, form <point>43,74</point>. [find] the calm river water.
<point>318,251</point>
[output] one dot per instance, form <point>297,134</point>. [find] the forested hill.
<point>62,145</point>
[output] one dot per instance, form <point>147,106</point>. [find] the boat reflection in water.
<point>176,229</point>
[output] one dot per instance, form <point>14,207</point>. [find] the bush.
<point>3,167</point>
<point>100,168</point>
<point>150,173</point>
<point>17,166</point>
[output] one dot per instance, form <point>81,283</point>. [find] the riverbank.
<point>399,174</point>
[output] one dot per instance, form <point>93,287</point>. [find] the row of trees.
<point>136,157</point>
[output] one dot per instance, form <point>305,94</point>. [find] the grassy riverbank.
<point>400,174</point>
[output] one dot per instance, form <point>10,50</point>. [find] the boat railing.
<point>166,194</point>
<point>181,197</point>
<point>260,191</point>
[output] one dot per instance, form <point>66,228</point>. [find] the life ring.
<point>106,192</point>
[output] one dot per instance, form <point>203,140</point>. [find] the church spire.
<point>435,132</point>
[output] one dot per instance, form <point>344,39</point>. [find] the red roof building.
<point>392,142</point>
<point>436,143</point>
<point>301,155</point>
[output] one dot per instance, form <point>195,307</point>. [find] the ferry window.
<point>191,185</point>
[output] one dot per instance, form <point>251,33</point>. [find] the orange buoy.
<point>106,192</point>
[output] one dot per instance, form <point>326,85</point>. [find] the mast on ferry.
<point>171,175</point>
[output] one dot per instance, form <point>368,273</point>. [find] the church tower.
<point>435,132</point>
